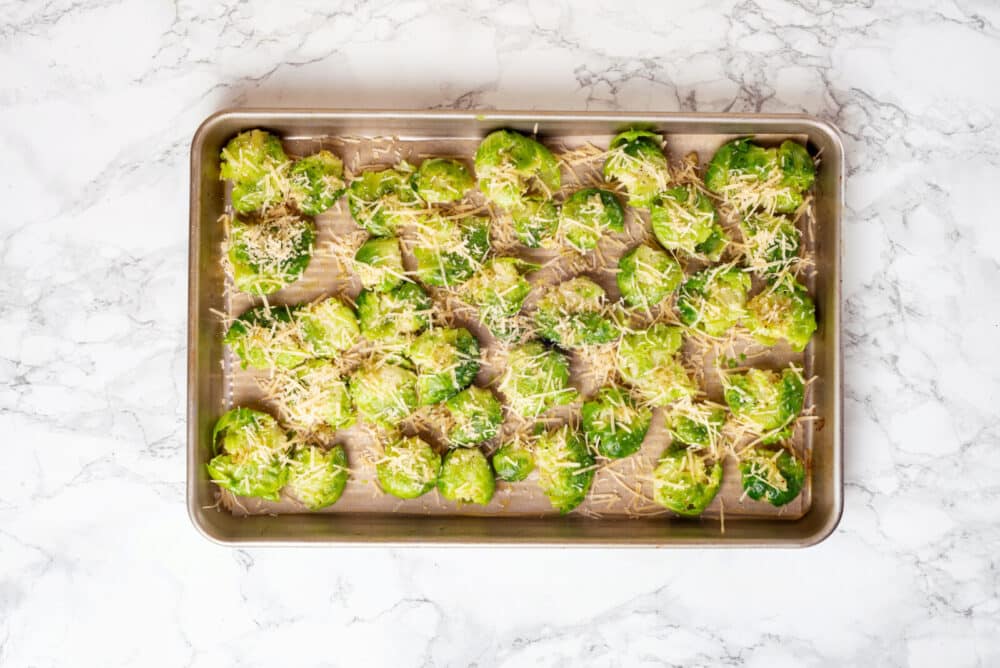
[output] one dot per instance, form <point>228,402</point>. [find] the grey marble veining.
<point>98,562</point>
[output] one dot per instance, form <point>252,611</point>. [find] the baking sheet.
<point>208,383</point>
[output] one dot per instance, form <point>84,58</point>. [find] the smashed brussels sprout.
<point>249,477</point>
<point>766,400</point>
<point>408,468</point>
<point>684,219</point>
<point>383,393</point>
<point>612,423</point>
<point>317,182</point>
<point>466,477</point>
<point>771,243</point>
<point>394,315</point>
<point>382,201</point>
<point>317,477</point>
<point>696,424</point>
<point>750,177</point>
<point>647,361</point>
<point>475,415</point>
<point>446,361</point>
<point>498,290</point>
<point>244,432</point>
<point>587,214</point>
<point>254,448</point>
<point>637,162</point>
<point>782,311</point>
<point>254,161</point>
<point>797,167</point>
<point>268,255</point>
<point>713,300</point>
<point>535,379</point>
<point>512,167</point>
<point>312,397</point>
<point>647,276</point>
<point>448,252</point>
<point>251,155</point>
<point>773,474</point>
<point>574,313</point>
<point>535,220</point>
<point>513,461</point>
<point>327,327</point>
<point>379,264</point>
<point>266,338</point>
<point>685,482</point>
<point>565,468</point>
<point>439,181</point>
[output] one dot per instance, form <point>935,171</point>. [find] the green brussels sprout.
<point>498,289</point>
<point>382,201</point>
<point>535,220</point>
<point>573,314</point>
<point>738,158</point>
<point>475,415</point>
<point>249,477</point>
<point>266,338</point>
<point>513,461</point>
<point>446,360</point>
<point>647,276</point>
<point>439,181</point>
<point>250,156</point>
<point>511,167</point>
<point>565,468</point>
<point>637,162</point>
<point>613,424</point>
<point>684,219</point>
<point>394,315</point>
<point>771,242</point>
<point>684,482</point>
<point>646,360</point>
<point>244,432</point>
<point>253,461</point>
<point>379,264</point>
<point>449,252</point>
<point>313,397</point>
<point>316,182</point>
<point>587,214</point>
<point>535,379</point>
<point>751,177</point>
<point>327,327</point>
<point>466,476</point>
<point>773,474</point>
<point>317,477</point>
<point>408,468</point>
<point>696,424</point>
<point>766,400</point>
<point>713,300</point>
<point>270,254</point>
<point>383,393</point>
<point>254,161</point>
<point>664,383</point>
<point>782,311</point>
<point>797,166</point>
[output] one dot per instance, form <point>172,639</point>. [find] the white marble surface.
<point>99,565</point>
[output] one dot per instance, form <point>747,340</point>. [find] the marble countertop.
<point>99,564</point>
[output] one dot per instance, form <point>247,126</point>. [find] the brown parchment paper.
<point>622,489</point>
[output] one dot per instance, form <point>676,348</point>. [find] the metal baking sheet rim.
<point>304,530</point>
